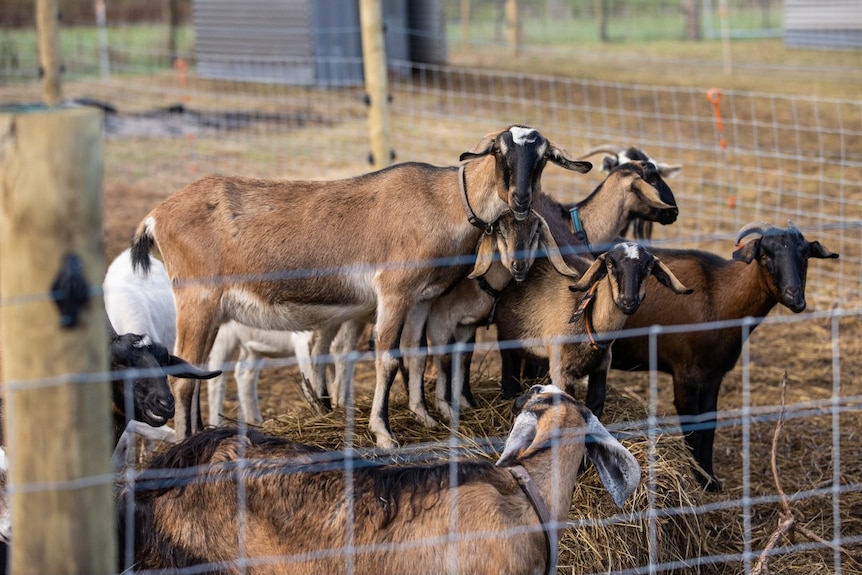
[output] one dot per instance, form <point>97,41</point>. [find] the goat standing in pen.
<point>304,511</point>
<point>619,156</point>
<point>573,332</point>
<point>298,255</point>
<point>769,267</point>
<point>505,255</point>
<point>635,190</point>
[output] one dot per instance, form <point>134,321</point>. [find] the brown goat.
<point>769,267</point>
<point>505,255</point>
<point>573,332</point>
<point>299,255</point>
<point>295,510</point>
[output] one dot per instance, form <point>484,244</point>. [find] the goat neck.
<point>585,311</point>
<point>749,279</point>
<point>553,459</point>
<point>600,215</point>
<point>477,190</point>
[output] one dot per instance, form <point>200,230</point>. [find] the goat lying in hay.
<point>299,513</point>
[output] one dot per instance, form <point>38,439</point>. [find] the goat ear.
<point>747,252</point>
<point>183,369</point>
<point>618,469</point>
<point>816,250</point>
<point>550,246</point>
<point>562,158</point>
<point>483,148</point>
<point>668,278</point>
<point>668,170</point>
<point>593,274</point>
<point>650,194</point>
<point>484,256</point>
<point>520,438</point>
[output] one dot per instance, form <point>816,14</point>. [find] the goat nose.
<point>629,305</point>
<point>167,402</point>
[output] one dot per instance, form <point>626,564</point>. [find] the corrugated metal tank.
<point>308,42</point>
<point>835,24</point>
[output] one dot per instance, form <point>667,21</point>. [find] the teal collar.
<point>579,228</point>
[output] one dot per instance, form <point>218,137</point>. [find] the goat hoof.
<point>709,484</point>
<point>386,442</point>
<point>425,419</point>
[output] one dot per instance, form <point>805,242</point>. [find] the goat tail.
<point>142,245</point>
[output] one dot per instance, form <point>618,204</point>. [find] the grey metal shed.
<point>307,42</point>
<point>835,24</point>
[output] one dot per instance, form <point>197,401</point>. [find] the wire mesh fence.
<point>746,156</point>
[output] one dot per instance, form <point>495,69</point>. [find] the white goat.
<point>301,255</point>
<point>144,304</point>
<point>253,346</point>
<point>303,518</point>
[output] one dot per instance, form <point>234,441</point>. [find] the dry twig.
<point>788,520</point>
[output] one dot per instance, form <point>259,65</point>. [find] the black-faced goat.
<point>139,368</point>
<point>769,267</point>
<point>568,331</point>
<point>300,255</point>
<point>305,512</point>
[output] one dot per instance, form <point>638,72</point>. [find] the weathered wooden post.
<point>57,415</point>
<point>56,412</point>
<point>513,25</point>
<point>47,13</point>
<point>465,23</point>
<point>376,81</point>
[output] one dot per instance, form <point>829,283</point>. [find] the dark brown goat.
<point>769,268</point>
<point>296,512</point>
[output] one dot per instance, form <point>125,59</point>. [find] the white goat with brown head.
<point>300,255</point>
<point>307,512</point>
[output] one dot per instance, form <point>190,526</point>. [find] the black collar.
<point>471,215</point>
<point>494,293</point>
<point>532,492</point>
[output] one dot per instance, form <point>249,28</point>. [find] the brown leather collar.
<point>532,492</point>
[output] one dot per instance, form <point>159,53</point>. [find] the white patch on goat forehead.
<point>632,251</point>
<point>145,341</point>
<point>523,135</point>
<point>622,158</point>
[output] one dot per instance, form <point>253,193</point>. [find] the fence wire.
<point>746,156</point>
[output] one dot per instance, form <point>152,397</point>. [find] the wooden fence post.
<point>376,82</point>
<point>56,416</point>
<point>47,14</point>
<point>513,26</point>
